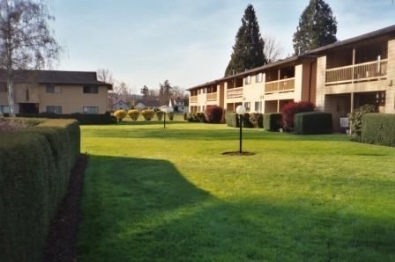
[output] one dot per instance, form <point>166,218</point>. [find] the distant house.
<point>120,105</point>
<point>145,104</point>
<point>179,105</point>
<point>60,92</point>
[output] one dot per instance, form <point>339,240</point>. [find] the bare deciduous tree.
<point>273,50</point>
<point>26,41</point>
<point>105,75</point>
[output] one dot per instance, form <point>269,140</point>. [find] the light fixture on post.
<point>240,110</point>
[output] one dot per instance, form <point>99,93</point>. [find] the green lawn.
<point>155,195</point>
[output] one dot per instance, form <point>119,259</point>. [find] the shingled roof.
<point>55,77</point>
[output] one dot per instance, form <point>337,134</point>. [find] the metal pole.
<point>241,133</point>
<point>164,120</point>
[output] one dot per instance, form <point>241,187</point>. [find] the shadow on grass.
<point>146,210</point>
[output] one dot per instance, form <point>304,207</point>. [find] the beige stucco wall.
<point>390,84</point>
<point>71,98</point>
<point>320,83</point>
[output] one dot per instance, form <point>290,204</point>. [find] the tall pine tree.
<point>317,27</point>
<point>248,49</point>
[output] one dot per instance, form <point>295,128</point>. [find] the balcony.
<point>211,96</point>
<point>193,99</point>
<point>357,73</point>
<point>280,86</point>
<point>234,93</point>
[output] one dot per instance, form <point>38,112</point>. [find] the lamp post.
<point>240,110</point>
<point>166,109</point>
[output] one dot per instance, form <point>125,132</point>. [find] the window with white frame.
<point>259,77</point>
<point>90,110</point>
<point>54,109</point>
<point>247,106</point>
<point>258,106</point>
<point>247,80</point>
<point>50,88</point>
<point>5,109</point>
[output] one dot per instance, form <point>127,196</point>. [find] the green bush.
<point>171,116</point>
<point>134,114</point>
<point>313,123</point>
<point>159,115</point>
<point>231,119</point>
<point>378,129</point>
<point>120,114</point>
<point>272,121</point>
<point>83,119</point>
<point>290,109</point>
<point>35,166</point>
<point>355,118</point>
<point>148,114</point>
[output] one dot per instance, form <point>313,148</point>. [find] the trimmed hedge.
<point>378,129</point>
<point>232,120</point>
<point>35,166</point>
<point>313,123</point>
<point>83,119</point>
<point>256,119</point>
<point>214,114</point>
<point>272,121</point>
<point>195,117</point>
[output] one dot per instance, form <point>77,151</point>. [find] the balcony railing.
<point>193,99</point>
<point>358,72</point>
<point>211,96</point>
<point>234,93</point>
<point>280,86</point>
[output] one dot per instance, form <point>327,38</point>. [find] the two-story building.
<point>60,92</point>
<point>338,78</point>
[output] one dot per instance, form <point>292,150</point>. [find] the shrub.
<point>231,119</point>
<point>256,119</point>
<point>313,123</point>
<point>159,115</point>
<point>120,114</point>
<point>195,117</point>
<point>378,129</point>
<point>272,121</point>
<point>213,114</point>
<point>134,114</point>
<point>246,121</point>
<point>83,119</point>
<point>290,109</point>
<point>148,114</point>
<point>355,118</point>
<point>171,116</point>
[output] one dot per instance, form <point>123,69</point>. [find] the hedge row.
<point>35,166</point>
<point>249,120</point>
<point>313,123</point>
<point>83,119</point>
<point>272,121</point>
<point>378,129</point>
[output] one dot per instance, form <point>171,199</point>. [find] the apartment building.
<point>60,92</point>
<point>338,78</point>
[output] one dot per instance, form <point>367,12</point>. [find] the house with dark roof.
<point>60,92</point>
<point>337,78</point>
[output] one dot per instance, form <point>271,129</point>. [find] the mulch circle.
<point>237,153</point>
<point>63,230</point>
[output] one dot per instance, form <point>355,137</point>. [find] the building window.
<point>91,89</point>
<point>258,106</point>
<point>54,109</point>
<point>90,110</point>
<point>247,105</point>
<point>50,88</point>
<point>5,109</point>
<point>259,78</point>
<point>247,80</point>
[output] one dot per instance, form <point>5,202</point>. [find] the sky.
<point>188,42</point>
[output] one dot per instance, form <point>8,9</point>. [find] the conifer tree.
<point>317,27</point>
<point>248,49</point>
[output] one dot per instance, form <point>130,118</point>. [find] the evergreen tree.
<point>317,27</point>
<point>248,49</point>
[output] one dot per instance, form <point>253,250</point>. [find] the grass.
<point>170,195</point>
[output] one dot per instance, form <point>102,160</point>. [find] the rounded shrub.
<point>214,114</point>
<point>159,115</point>
<point>134,114</point>
<point>120,114</point>
<point>290,109</point>
<point>356,120</point>
<point>148,114</point>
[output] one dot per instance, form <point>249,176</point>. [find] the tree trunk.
<point>11,103</point>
